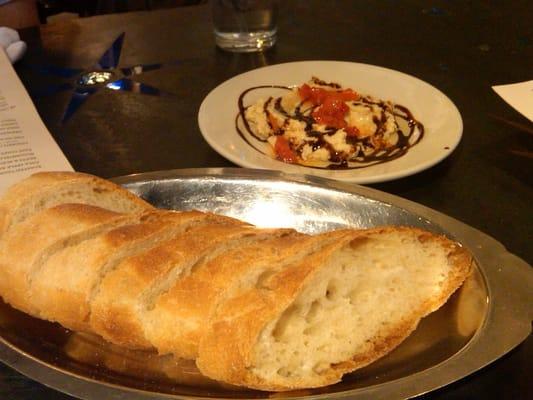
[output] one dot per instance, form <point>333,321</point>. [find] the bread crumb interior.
<point>352,303</point>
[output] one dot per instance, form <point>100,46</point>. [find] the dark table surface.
<point>462,48</point>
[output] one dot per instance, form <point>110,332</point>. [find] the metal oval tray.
<point>482,321</point>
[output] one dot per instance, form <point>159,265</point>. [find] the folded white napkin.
<point>11,43</point>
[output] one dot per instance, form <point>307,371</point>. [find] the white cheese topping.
<point>362,117</point>
<point>290,101</point>
<point>295,132</point>
<point>256,117</point>
<point>338,142</point>
<point>318,155</point>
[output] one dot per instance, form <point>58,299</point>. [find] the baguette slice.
<point>27,246</point>
<point>336,311</point>
<point>124,295</point>
<point>179,318</point>
<point>65,285</point>
<point>47,189</point>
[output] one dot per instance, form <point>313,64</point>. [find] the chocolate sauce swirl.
<point>366,154</point>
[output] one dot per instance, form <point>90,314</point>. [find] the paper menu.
<point>26,146</point>
<point>519,96</point>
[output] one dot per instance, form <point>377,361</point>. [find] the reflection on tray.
<point>92,350</point>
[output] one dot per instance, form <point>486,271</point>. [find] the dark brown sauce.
<point>405,140</point>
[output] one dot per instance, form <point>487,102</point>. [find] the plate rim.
<point>487,345</point>
<point>339,175</point>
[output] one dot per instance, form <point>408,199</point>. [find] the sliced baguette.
<point>338,310</point>
<point>179,318</point>
<point>65,284</point>
<point>267,309</point>
<point>125,293</point>
<point>47,189</point>
<point>26,247</point>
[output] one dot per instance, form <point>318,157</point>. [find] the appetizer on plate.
<point>323,125</point>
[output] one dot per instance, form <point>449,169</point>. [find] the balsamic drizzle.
<point>359,160</point>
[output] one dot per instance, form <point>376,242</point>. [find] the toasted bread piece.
<point>47,189</point>
<point>338,310</point>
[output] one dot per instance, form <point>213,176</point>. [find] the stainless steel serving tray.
<point>486,318</point>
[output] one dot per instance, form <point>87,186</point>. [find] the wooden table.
<point>462,48</point>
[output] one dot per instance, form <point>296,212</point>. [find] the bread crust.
<point>88,262</point>
<point>180,317</point>
<point>119,307</point>
<point>47,189</point>
<point>29,243</point>
<point>226,351</point>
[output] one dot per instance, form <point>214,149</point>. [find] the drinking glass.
<point>245,25</point>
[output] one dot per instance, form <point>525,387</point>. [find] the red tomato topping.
<point>283,150</point>
<point>352,131</point>
<point>331,107</point>
<point>318,95</point>
<point>331,113</point>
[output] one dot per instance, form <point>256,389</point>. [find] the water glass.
<point>245,25</point>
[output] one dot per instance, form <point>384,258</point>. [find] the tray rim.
<point>507,321</point>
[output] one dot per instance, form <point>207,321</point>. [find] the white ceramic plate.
<point>441,119</point>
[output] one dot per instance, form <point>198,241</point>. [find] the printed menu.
<point>26,146</point>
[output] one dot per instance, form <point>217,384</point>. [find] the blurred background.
<point>24,13</point>
<point>50,9</point>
